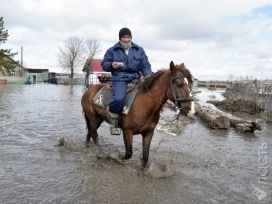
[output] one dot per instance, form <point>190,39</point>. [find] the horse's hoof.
<point>126,157</point>
<point>87,144</point>
<point>145,167</point>
<point>145,164</point>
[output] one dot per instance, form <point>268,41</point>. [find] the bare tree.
<point>72,55</point>
<point>93,48</point>
<point>231,77</point>
<point>75,52</point>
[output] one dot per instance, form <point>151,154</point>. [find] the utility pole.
<point>21,61</point>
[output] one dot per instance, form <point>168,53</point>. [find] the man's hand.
<point>115,65</point>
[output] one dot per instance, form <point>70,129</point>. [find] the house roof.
<point>36,70</point>
<point>93,65</point>
<point>8,58</point>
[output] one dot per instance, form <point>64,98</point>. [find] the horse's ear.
<point>172,66</point>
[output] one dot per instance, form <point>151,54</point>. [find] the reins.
<point>153,96</point>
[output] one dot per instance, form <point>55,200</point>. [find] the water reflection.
<point>206,95</point>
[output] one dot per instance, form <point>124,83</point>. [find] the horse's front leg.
<point>147,137</point>
<point>128,140</point>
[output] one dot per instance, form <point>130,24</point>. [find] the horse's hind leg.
<point>95,138</point>
<point>88,126</point>
<point>88,138</point>
<point>93,123</point>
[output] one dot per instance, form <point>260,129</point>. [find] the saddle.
<point>104,96</point>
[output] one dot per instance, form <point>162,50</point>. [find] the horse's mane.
<point>150,81</point>
<point>186,72</point>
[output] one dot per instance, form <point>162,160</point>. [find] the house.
<point>94,74</point>
<point>12,76</point>
<point>17,71</point>
<point>39,76</point>
<point>93,65</point>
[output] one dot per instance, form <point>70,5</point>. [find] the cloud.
<point>213,38</point>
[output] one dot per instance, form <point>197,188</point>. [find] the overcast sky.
<point>213,38</point>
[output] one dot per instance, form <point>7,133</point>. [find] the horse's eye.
<point>179,85</point>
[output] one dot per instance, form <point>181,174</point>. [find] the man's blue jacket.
<point>135,62</point>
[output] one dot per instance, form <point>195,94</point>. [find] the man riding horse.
<point>126,61</point>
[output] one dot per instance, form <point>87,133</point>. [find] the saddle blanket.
<point>104,96</point>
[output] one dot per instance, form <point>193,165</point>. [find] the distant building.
<point>17,71</point>
<point>35,76</point>
<point>268,81</point>
<point>94,74</point>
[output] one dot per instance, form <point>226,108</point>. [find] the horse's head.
<point>180,81</point>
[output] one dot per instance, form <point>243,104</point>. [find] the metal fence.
<point>74,81</point>
<point>260,94</point>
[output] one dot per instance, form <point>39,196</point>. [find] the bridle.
<point>173,77</point>
<point>170,84</point>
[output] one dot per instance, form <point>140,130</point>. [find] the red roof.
<point>96,65</point>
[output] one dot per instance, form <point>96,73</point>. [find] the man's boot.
<point>114,124</point>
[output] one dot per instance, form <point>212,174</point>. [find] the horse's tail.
<point>88,126</point>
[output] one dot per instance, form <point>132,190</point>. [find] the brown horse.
<point>144,112</point>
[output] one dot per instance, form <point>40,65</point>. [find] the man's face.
<point>126,39</point>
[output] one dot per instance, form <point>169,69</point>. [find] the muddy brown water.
<point>190,164</point>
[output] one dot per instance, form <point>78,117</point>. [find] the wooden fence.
<point>260,94</point>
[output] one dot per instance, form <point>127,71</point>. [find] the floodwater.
<point>43,158</point>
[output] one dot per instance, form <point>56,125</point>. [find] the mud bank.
<point>239,107</point>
